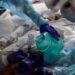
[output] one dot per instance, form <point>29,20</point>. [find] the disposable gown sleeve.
<point>28,9</point>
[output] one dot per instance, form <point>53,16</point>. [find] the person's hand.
<point>51,30</point>
<point>25,67</point>
<point>16,57</point>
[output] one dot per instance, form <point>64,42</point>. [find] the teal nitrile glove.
<point>50,47</point>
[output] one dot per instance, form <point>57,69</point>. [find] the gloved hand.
<point>16,57</point>
<point>25,67</point>
<point>47,28</point>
